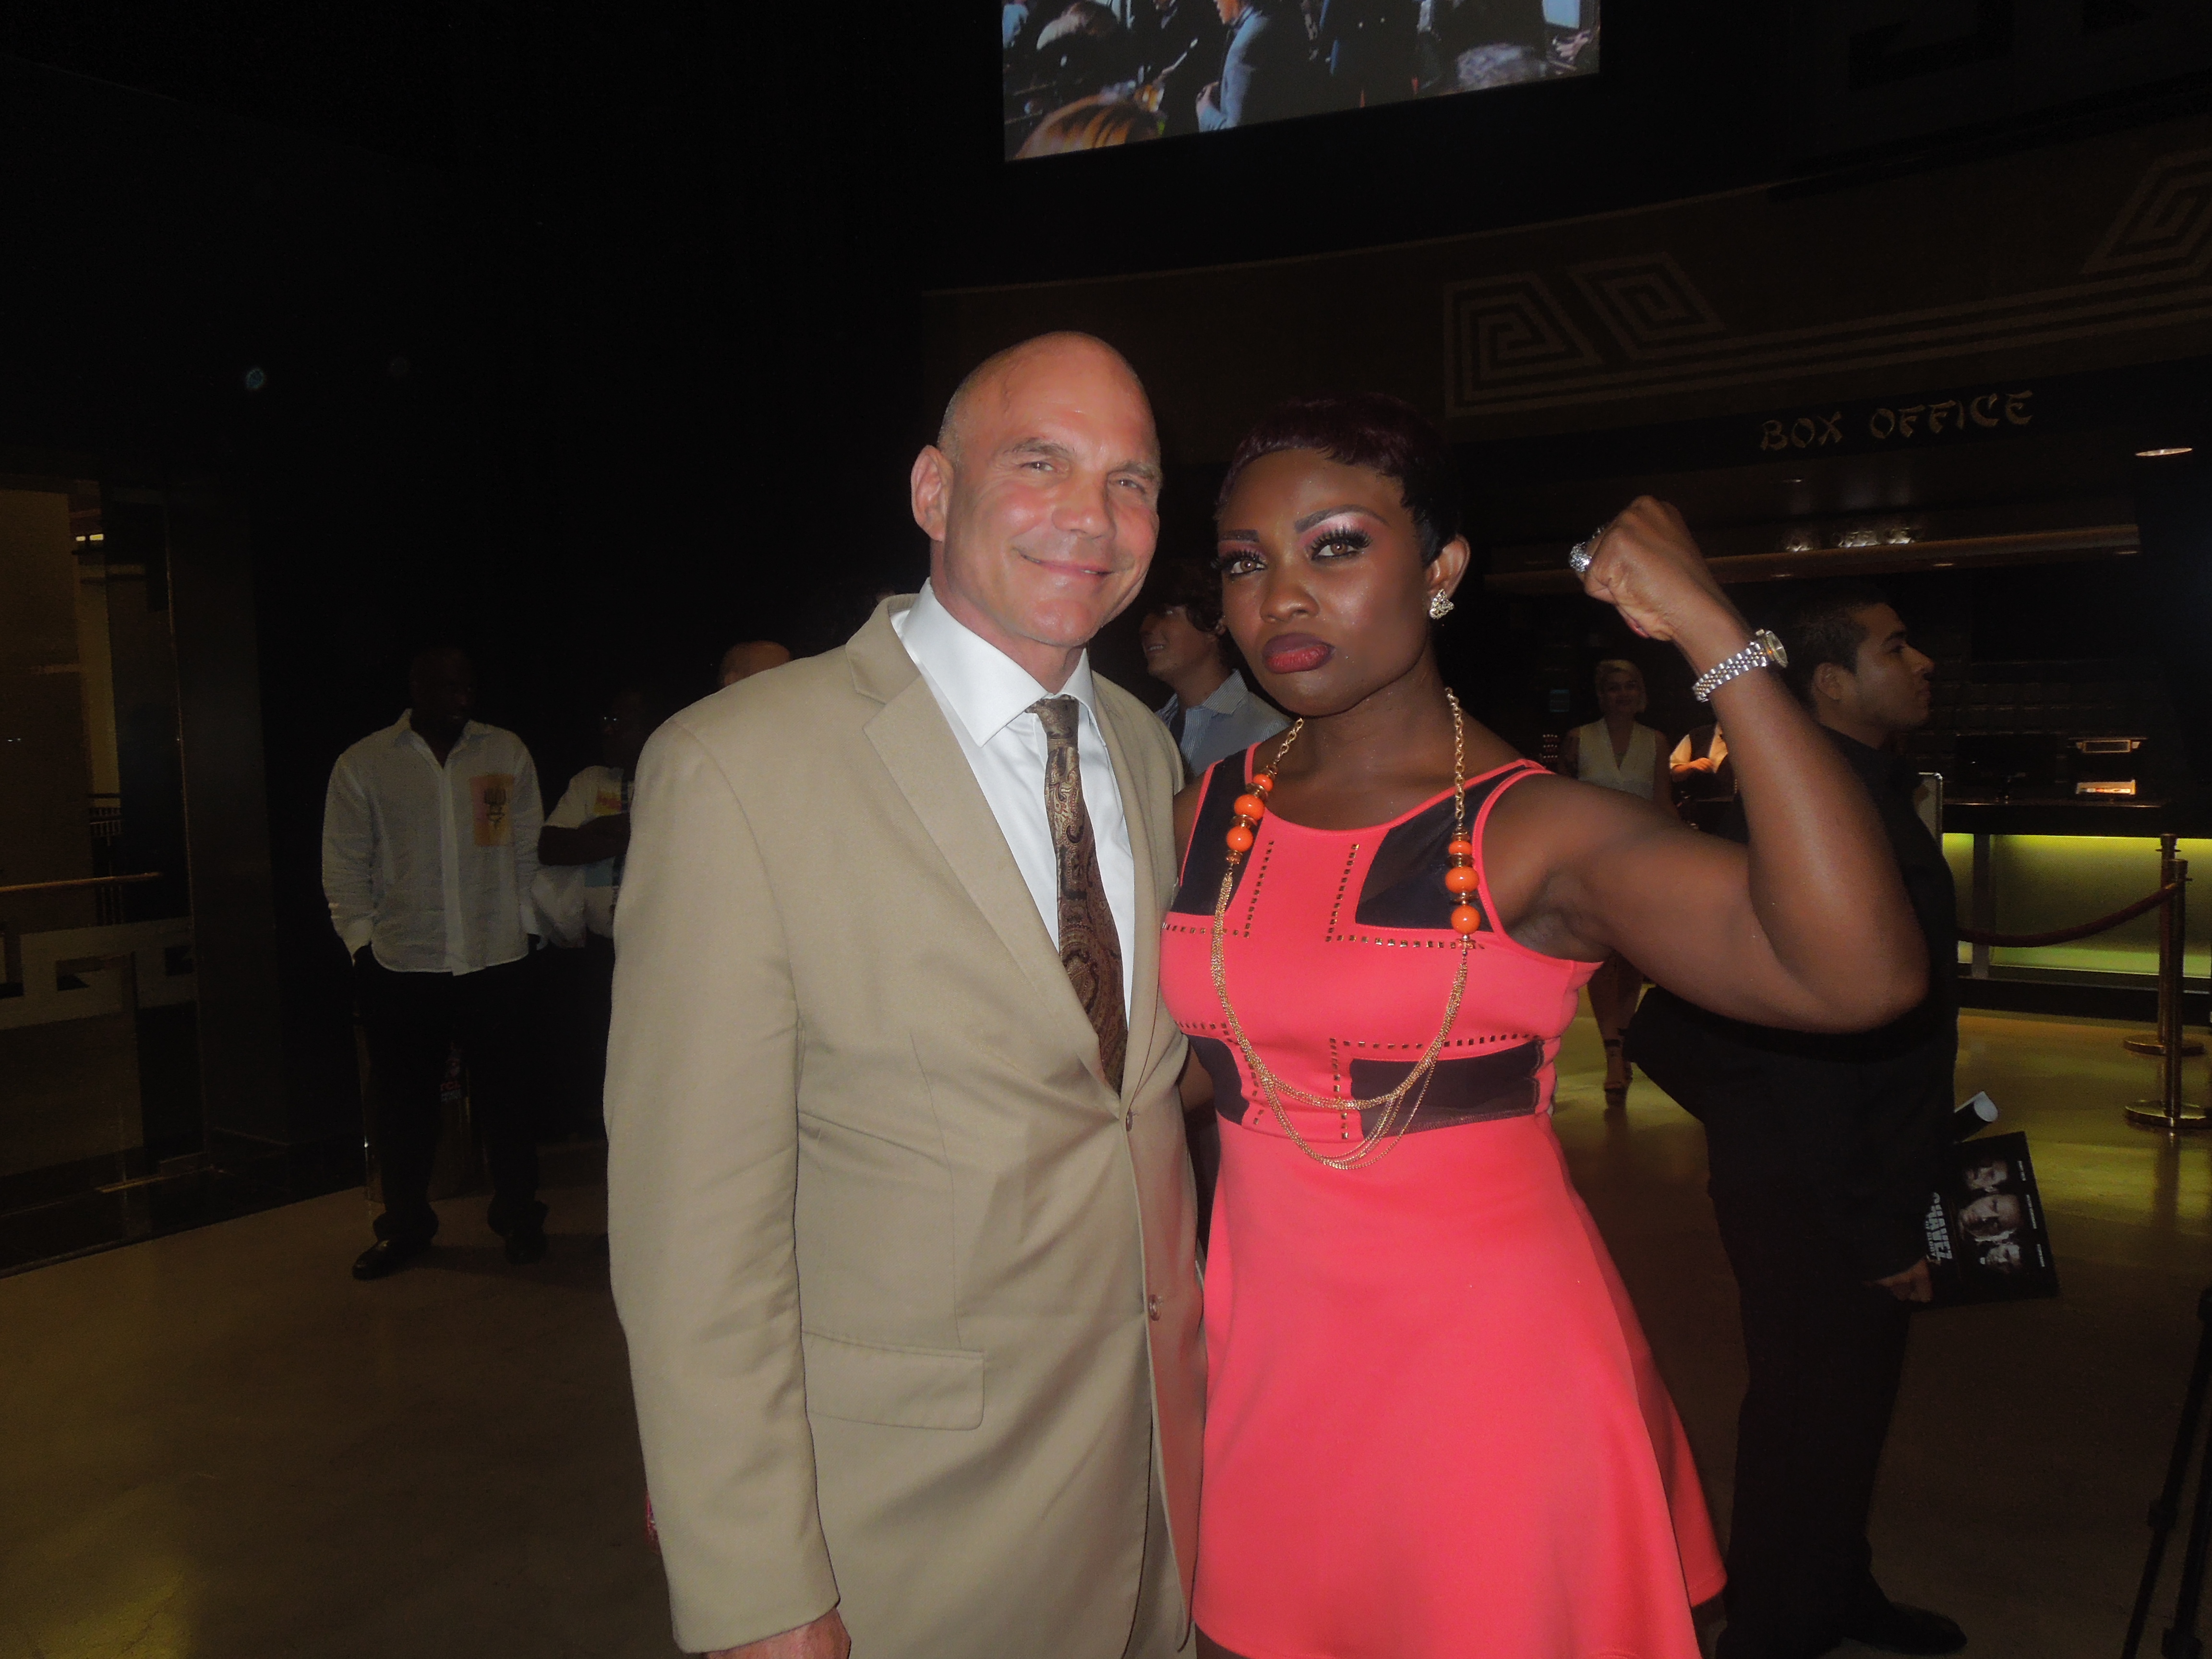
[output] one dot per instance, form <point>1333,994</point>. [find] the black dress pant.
<point>1826,1353</point>
<point>412,1021</point>
<point>579,1006</point>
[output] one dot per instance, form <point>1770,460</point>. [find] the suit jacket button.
<point>1153,1307</point>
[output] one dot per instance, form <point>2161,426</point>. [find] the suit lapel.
<point>925,761</point>
<point>1137,806</point>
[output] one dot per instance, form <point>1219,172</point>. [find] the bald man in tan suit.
<point>901,1210</point>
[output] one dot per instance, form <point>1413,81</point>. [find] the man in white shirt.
<point>429,844</point>
<point>589,830</point>
<point>1212,714</point>
<point>901,1211</point>
<point>579,856</point>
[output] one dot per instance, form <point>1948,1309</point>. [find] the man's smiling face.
<point>1049,507</point>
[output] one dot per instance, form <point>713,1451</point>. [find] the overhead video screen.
<point>1091,74</point>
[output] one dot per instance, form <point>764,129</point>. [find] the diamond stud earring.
<point>1440,606</point>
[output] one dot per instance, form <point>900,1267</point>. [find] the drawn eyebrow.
<point>1312,519</point>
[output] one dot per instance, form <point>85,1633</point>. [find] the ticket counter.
<point>2033,881</point>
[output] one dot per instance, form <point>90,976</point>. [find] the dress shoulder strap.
<point>1482,792</point>
<point>1477,826</point>
<point>1202,861</point>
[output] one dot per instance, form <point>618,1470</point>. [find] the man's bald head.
<point>1040,499</point>
<point>995,379</point>
<point>742,662</point>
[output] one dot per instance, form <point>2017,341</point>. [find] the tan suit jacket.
<point>911,1294</point>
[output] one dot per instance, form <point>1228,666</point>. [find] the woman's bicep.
<point>1679,905</point>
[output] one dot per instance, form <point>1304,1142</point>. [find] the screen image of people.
<point>1092,74</point>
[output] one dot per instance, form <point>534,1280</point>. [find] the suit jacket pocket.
<point>899,1388</point>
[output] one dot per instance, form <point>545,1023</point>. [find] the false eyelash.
<point>1224,562</point>
<point>1355,541</point>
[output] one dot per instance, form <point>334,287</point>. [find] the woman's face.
<point>1323,584</point>
<point>1621,693</point>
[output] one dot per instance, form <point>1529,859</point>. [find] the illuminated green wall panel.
<point>2046,882</point>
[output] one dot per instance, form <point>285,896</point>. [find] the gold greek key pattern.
<point>1511,347</point>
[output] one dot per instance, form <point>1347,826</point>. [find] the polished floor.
<point>216,1445</point>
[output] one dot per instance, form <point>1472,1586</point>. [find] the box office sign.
<point>1899,423</point>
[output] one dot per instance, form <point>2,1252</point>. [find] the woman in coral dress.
<point>1434,1430</point>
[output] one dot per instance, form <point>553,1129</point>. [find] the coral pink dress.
<point>1433,1429</point>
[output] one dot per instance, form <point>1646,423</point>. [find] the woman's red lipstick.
<point>1296,653</point>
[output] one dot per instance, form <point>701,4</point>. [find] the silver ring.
<point>1580,555</point>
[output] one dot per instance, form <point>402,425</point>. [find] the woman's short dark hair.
<point>1818,623</point>
<point>1372,429</point>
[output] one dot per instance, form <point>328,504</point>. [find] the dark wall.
<point>2173,503</point>
<point>158,252</point>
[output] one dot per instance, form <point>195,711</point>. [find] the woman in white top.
<point>1618,751</point>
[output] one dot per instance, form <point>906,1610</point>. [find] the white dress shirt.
<point>985,696</point>
<point>431,864</point>
<point>597,792</point>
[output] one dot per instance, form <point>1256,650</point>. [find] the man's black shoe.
<point>387,1256</point>
<point>526,1244</point>
<point>1894,1628</point>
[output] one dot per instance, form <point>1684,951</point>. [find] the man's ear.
<point>1833,683</point>
<point>929,490</point>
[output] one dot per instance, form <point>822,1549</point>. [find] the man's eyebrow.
<point>1312,519</point>
<point>1047,449</point>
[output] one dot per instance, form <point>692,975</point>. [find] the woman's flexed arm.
<point>1808,925</point>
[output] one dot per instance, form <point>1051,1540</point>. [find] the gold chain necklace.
<point>1391,1109</point>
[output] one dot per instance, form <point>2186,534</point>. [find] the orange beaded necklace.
<point>1390,1110</point>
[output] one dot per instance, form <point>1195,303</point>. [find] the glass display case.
<point>99,1040</point>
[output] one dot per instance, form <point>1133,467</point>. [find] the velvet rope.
<point>2068,935</point>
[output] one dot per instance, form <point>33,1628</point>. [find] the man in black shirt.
<point>1824,1152</point>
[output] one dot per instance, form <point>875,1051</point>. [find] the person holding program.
<point>1824,1153</point>
<point>1433,1427</point>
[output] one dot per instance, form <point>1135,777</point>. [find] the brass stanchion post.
<point>2169,1112</point>
<point>2154,1042</point>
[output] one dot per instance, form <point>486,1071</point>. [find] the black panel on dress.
<point>1405,885</point>
<point>1477,1090</point>
<point>1209,850</point>
<point>1228,1083</point>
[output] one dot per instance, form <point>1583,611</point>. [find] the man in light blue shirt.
<point>1213,713</point>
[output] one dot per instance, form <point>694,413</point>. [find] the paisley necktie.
<point>1088,948</point>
